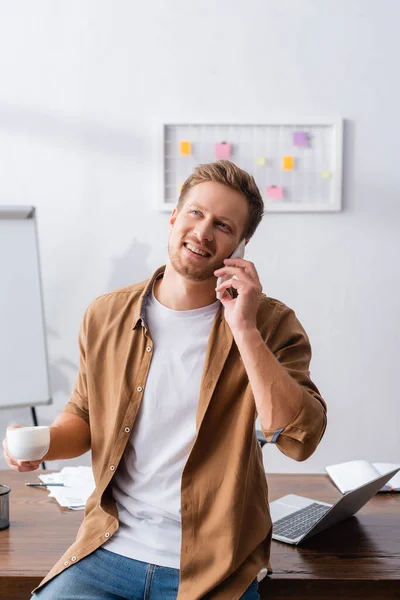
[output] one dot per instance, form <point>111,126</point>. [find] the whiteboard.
<point>297,163</point>
<point>24,379</point>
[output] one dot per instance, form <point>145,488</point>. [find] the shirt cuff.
<point>72,407</point>
<point>275,436</point>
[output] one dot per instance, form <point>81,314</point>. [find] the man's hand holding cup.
<point>25,447</point>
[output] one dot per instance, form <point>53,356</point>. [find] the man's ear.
<point>172,218</point>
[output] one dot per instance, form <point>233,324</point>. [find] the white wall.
<point>84,86</point>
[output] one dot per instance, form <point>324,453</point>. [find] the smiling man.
<point>170,384</point>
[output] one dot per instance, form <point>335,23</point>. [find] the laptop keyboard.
<point>299,522</point>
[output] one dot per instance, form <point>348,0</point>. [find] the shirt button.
<point>73,558</point>
<point>127,429</point>
<point>139,389</point>
<point>66,563</point>
<point>112,468</point>
<point>148,349</point>
<point>107,535</point>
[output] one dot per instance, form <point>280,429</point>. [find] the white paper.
<point>350,475</point>
<point>78,486</point>
<point>394,483</point>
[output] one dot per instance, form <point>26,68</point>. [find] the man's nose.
<point>204,232</point>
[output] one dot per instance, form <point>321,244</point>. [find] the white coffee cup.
<point>28,443</point>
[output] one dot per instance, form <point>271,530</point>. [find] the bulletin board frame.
<point>335,127</point>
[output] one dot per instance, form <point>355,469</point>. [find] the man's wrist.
<point>247,335</point>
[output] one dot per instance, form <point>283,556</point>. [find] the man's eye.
<point>195,212</point>
<point>221,224</point>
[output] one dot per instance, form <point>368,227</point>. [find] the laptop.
<point>296,518</point>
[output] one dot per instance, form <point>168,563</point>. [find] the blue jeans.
<point>104,575</point>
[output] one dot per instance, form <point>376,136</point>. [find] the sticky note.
<point>223,150</point>
<point>326,174</point>
<point>180,187</point>
<point>185,147</point>
<point>261,160</point>
<point>275,191</point>
<point>301,139</point>
<point>288,163</point>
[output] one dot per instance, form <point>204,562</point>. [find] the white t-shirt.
<point>147,484</point>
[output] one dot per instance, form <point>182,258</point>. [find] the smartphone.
<point>237,253</point>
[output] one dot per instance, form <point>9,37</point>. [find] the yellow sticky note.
<point>326,174</point>
<point>185,147</point>
<point>288,163</point>
<point>180,187</point>
<point>261,160</point>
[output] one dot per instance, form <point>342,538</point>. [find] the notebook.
<point>350,475</point>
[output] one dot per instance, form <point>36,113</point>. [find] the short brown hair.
<point>227,173</point>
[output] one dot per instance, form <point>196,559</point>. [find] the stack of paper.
<point>78,486</point>
<point>350,475</point>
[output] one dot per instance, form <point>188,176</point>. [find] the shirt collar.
<point>139,315</point>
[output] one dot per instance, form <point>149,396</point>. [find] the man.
<point>171,381</point>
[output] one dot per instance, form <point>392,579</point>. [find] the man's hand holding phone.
<point>237,253</point>
<point>241,275</point>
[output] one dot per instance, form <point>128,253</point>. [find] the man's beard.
<point>191,272</point>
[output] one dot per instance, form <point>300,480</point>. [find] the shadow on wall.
<point>61,371</point>
<point>131,267</point>
<point>71,130</point>
<point>60,382</point>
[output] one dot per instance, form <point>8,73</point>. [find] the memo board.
<point>297,164</point>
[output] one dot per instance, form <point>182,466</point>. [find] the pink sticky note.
<point>300,138</point>
<point>275,191</point>
<point>223,150</point>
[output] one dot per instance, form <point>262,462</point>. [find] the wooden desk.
<point>359,558</point>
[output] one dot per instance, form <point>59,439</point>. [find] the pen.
<point>43,484</point>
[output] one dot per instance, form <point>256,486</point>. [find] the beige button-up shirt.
<point>226,525</point>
